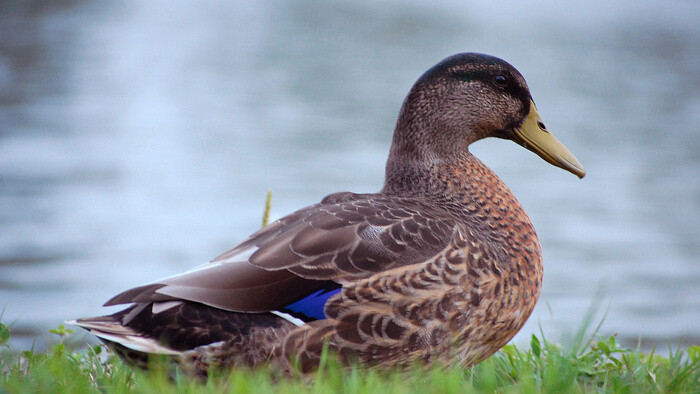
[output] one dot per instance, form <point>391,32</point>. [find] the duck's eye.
<point>500,80</point>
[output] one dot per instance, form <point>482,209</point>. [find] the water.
<point>139,139</point>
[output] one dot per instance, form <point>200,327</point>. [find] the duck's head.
<point>467,97</point>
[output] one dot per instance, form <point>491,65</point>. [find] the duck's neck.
<point>471,191</point>
<point>463,177</point>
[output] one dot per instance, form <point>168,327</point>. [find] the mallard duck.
<point>442,264</point>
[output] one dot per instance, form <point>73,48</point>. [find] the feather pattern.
<point>450,307</point>
<point>345,237</point>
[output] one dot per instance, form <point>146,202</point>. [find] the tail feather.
<point>110,330</point>
<point>190,333</point>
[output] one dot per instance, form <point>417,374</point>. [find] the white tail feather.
<point>114,332</point>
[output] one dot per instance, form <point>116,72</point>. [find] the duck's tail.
<point>197,336</point>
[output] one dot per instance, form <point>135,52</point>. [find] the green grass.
<point>596,365</point>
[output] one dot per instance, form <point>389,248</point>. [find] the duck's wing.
<point>348,236</point>
<point>344,238</point>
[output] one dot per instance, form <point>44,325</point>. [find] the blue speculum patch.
<point>311,306</point>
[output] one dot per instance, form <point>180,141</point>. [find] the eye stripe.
<point>488,77</point>
<point>475,75</point>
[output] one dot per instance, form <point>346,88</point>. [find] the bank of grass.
<point>594,365</point>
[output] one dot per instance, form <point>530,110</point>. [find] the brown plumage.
<point>443,263</point>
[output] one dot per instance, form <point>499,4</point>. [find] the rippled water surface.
<point>138,139</point>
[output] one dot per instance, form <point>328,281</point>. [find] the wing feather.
<point>345,238</point>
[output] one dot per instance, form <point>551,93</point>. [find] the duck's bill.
<point>533,135</point>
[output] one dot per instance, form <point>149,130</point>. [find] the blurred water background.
<point>138,138</point>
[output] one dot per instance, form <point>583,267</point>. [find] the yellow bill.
<point>533,135</point>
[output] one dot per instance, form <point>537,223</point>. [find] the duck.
<point>441,265</point>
